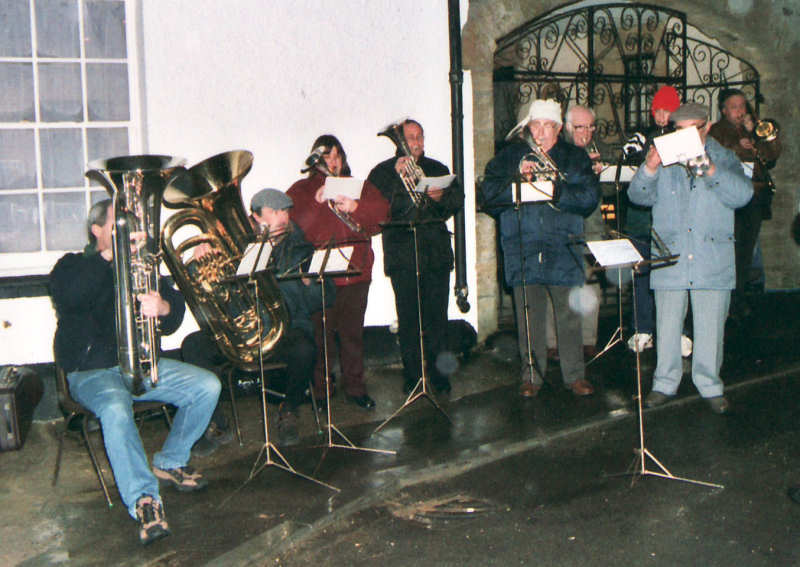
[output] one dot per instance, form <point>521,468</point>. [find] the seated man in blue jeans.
<point>83,292</point>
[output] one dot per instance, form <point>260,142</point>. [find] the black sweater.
<point>82,288</point>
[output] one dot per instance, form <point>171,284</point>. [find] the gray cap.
<point>689,111</point>
<point>270,198</point>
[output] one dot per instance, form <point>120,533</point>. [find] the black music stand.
<point>422,389</point>
<point>321,276</point>
<point>642,452</point>
<point>269,448</point>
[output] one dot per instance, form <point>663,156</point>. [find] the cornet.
<point>544,168</point>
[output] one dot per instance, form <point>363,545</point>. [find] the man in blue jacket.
<point>693,213</point>
<point>544,238</point>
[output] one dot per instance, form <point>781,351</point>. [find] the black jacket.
<point>82,288</point>
<point>435,249</point>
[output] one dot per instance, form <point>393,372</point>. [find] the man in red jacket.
<point>342,222</point>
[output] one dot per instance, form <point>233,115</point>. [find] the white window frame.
<point>35,263</point>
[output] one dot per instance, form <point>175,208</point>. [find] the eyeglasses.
<point>584,128</point>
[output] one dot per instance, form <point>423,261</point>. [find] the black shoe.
<point>442,385</point>
<point>364,401</point>
<point>204,447</point>
<point>150,515</point>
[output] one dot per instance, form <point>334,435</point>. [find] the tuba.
<point>135,184</point>
<point>209,196</point>
<point>413,172</point>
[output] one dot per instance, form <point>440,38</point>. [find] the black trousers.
<point>747,226</point>
<point>296,349</point>
<point>434,291</point>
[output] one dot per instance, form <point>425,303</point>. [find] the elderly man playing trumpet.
<point>693,214</point>
<point>538,240</point>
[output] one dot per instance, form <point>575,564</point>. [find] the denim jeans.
<point>107,394</point>
<point>709,311</point>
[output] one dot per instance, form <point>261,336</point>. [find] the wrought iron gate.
<point>612,57</point>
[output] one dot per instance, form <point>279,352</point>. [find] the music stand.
<point>642,452</point>
<point>321,276</point>
<point>269,448</point>
<point>422,389</point>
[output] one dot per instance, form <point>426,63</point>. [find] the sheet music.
<point>748,167</point>
<point>679,146</point>
<point>609,174</point>
<point>614,252</point>
<point>249,258</point>
<point>535,191</point>
<point>442,182</point>
<point>338,261</point>
<point>345,186</point>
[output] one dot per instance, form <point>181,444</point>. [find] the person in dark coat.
<point>435,256</point>
<point>544,238</point>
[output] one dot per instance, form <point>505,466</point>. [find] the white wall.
<point>269,77</point>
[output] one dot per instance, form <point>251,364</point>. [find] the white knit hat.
<point>541,109</point>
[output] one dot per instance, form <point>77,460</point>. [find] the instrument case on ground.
<point>20,392</point>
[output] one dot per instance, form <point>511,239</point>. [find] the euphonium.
<point>316,160</point>
<point>412,172</point>
<point>209,195</point>
<point>135,184</point>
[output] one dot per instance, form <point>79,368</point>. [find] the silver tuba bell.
<point>135,184</point>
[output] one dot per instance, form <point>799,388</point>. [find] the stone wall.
<point>762,32</point>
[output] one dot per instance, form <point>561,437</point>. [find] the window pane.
<point>16,92</point>
<point>15,28</point>
<point>104,29</point>
<point>62,158</point>
<point>19,223</point>
<point>107,87</point>
<point>57,28</point>
<point>60,97</point>
<point>17,159</point>
<point>107,142</point>
<point>65,221</point>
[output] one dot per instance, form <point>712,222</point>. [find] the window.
<point>66,76</point>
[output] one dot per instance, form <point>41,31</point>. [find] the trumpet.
<point>766,130</point>
<point>412,172</point>
<point>544,168</point>
<point>315,161</point>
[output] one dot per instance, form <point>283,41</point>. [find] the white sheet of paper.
<point>345,186</point>
<point>442,182</point>
<point>748,167</point>
<point>614,252</point>
<point>249,258</point>
<point>679,146</point>
<point>609,174</point>
<point>338,261</point>
<point>535,191</point>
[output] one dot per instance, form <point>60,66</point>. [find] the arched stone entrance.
<point>616,73</point>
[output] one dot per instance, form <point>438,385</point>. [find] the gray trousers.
<point>709,311</point>
<point>568,331</point>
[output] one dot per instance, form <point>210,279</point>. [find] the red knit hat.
<point>667,98</point>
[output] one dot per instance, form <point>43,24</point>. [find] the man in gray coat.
<point>693,211</point>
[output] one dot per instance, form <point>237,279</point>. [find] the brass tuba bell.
<point>209,196</point>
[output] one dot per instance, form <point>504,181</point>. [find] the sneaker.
<point>640,342</point>
<point>150,515</point>
<point>686,346</point>
<point>288,434</point>
<point>184,479</point>
<point>718,404</point>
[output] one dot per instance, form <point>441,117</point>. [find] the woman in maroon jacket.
<point>344,222</point>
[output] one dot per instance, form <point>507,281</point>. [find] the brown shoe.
<point>581,388</point>
<point>552,354</point>
<point>589,351</point>
<point>529,390</point>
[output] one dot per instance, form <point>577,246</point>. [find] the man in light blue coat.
<point>693,212</point>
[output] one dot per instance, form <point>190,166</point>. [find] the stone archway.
<point>739,32</point>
